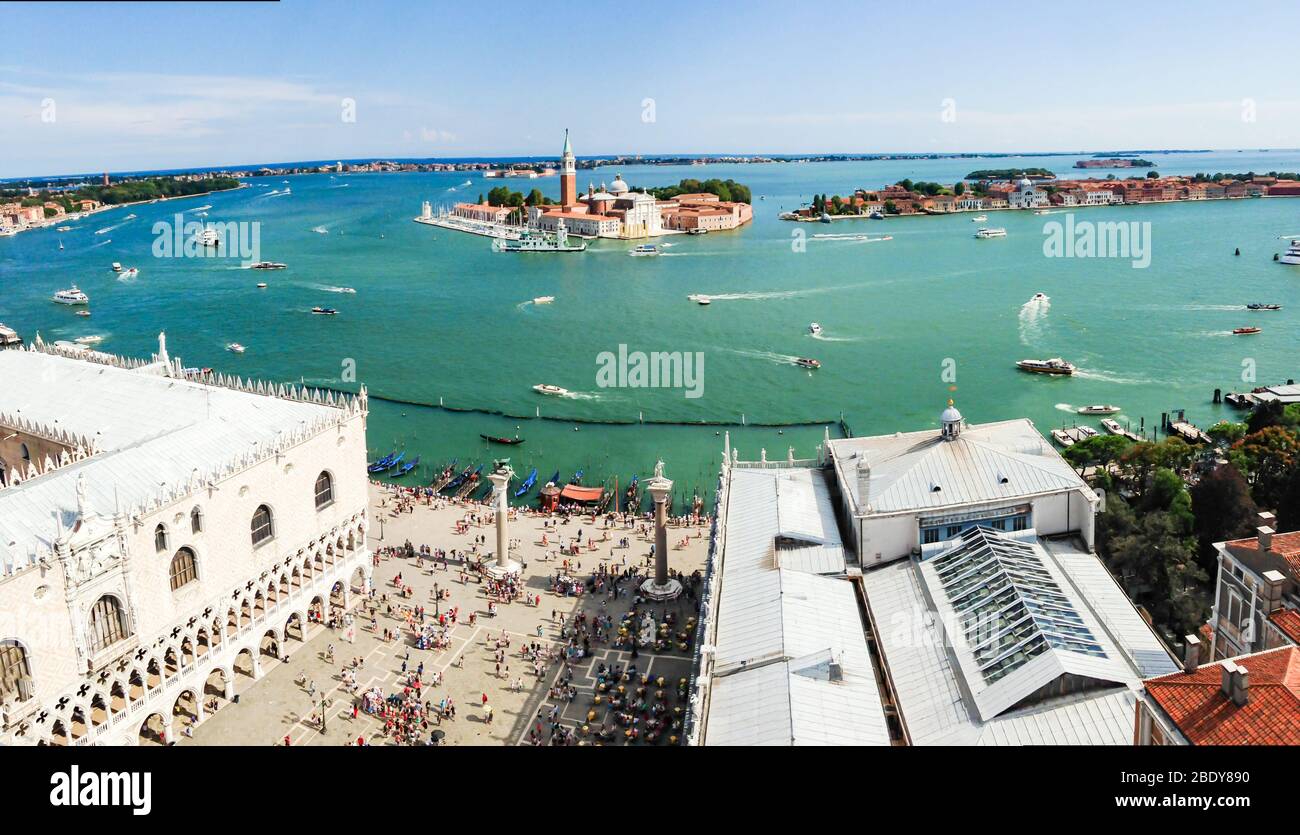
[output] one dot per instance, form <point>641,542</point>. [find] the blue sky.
<point>89,87</point>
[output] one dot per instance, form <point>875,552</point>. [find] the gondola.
<point>528,483</point>
<point>499,440</point>
<point>382,465</point>
<point>402,469</point>
<point>456,482</point>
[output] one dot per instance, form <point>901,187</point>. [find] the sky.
<point>88,87</point>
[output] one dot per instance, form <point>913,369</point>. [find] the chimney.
<point>1271,593</point>
<point>1265,534</point>
<point>864,482</point>
<point>1240,686</point>
<point>1225,679</point>
<point>1191,653</point>
<point>836,671</point>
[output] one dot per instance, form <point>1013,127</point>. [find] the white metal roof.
<point>779,627</point>
<point>920,470</point>
<point>155,433</point>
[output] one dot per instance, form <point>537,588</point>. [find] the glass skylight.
<point>1011,610</point>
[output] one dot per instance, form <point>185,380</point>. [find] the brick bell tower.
<point>568,174</point>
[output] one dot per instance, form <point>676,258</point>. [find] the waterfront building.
<point>1257,592</point>
<point>480,212</point>
<point>164,534</point>
<point>1249,700</point>
<point>996,633</point>
<point>1026,195</point>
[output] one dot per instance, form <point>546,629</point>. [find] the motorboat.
<point>1244,331</point>
<point>986,233</point>
<point>117,268</point>
<point>703,301</point>
<point>876,215</point>
<point>1040,297</point>
<point>814,328</point>
<point>209,237</point>
<point>83,313</point>
<point>236,348</point>
<point>64,229</point>
<point>543,299</point>
<point>71,296</point>
<point>324,311</point>
<point>1262,306</point>
<point>1098,409</point>
<point>643,250</point>
<point>93,339</point>
<point>825,218</point>
<point>261,285</point>
<point>544,388</point>
<point>805,362</point>
<point>980,219</point>
<point>1292,254</point>
<point>268,265</point>
<point>347,290</point>
<point>1055,365</point>
<point>697,231</point>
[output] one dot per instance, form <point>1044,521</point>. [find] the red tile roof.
<point>1285,545</point>
<point>1288,621</point>
<point>1206,716</point>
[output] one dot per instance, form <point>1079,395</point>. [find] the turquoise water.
<point>437,315</point>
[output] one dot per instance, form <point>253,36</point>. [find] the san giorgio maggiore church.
<point>165,534</point>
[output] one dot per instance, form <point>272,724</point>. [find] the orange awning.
<point>581,494</point>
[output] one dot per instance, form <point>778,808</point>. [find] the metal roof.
<point>921,470</point>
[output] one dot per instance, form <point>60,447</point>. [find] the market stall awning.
<point>575,493</point>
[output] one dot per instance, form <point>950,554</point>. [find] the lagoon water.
<point>438,316</point>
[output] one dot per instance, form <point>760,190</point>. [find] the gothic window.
<point>262,528</point>
<point>107,623</point>
<point>182,571</point>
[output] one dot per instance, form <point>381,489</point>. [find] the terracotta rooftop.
<point>1288,621</point>
<point>1285,545</point>
<point>1206,716</point>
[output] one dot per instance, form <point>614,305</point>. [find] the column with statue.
<point>661,586</point>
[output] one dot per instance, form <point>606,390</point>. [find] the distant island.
<point>1115,162</point>
<point>32,208</point>
<point>1010,174</point>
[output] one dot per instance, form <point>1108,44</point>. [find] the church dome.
<point>1025,183</point>
<point>951,422</point>
<point>618,186</point>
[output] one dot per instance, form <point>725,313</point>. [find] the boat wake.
<point>583,395</point>
<point>101,243</point>
<point>1033,320</point>
<point>111,228</point>
<point>1108,377</point>
<point>770,356</point>
<point>325,288</point>
<point>320,230</point>
<point>198,209</point>
<point>824,338</point>
<point>1066,407</point>
<point>344,185</point>
<point>1212,307</point>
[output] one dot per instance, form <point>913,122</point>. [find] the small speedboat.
<point>1098,409</point>
<point>347,290</point>
<point>805,362</point>
<point>236,348</point>
<point>71,296</point>
<point>64,229</point>
<point>117,268</point>
<point>814,328</point>
<point>543,299</point>
<point>980,219</point>
<point>697,231</point>
<point>643,250</point>
<point>324,311</point>
<point>1261,306</point>
<point>268,265</point>
<point>1245,331</point>
<point>83,312</point>
<point>703,301</point>
<point>543,388</point>
<point>261,285</point>
<point>1040,297</point>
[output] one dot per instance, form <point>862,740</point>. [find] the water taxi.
<point>1244,331</point>
<point>346,290</point>
<point>71,296</point>
<point>1070,437</point>
<point>543,388</point>
<point>643,250</point>
<point>805,362</point>
<point>985,234</point>
<point>1292,254</point>
<point>261,285</point>
<point>703,301</point>
<point>64,229</point>
<point>980,219</point>
<point>814,328</point>
<point>543,299</point>
<point>236,348</point>
<point>117,268</point>
<point>1040,297</point>
<point>324,311</point>
<point>83,313</point>
<point>1055,365</point>
<point>1098,409</point>
<point>697,231</point>
<point>268,265</point>
<point>1262,306</point>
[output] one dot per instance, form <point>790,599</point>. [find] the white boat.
<point>1098,409</point>
<point>543,388</point>
<point>129,273</point>
<point>814,328</point>
<point>535,240</point>
<point>1292,254</point>
<point>980,219</point>
<point>543,299</point>
<point>703,301</point>
<point>268,265</point>
<point>643,250</point>
<point>1055,365</point>
<point>261,285</point>
<point>89,340</point>
<point>117,268</point>
<point>64,229</point>
<point>697,231</point>
<point>1040,297</point>
<point>347,290</point>
<point>9,336</point>
<point>83,312</point>
<point>236,348</point>
<point>986,233</point>
<point>71,296</point>
<point>807,362</point>
<point>209,237</point>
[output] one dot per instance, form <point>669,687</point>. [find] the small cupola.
<point>951,422</point>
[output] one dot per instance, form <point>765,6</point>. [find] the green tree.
<point>1099,451</point>
<point>1266,458</point>
<point>959,189</point>
<point>1223,510</point>
<point>1227,433</point>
